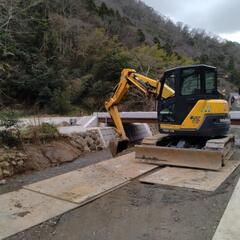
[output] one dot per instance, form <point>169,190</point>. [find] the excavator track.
<point>212,156</point>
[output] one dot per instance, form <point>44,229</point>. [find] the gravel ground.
<point>134,212</point>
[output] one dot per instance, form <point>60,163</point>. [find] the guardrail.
<point>150,117</point>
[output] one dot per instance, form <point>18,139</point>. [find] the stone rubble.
<point>14,161</point>
<point>11,162</point>
<point>87,141</point>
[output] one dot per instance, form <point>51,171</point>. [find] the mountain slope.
<point>58,56</point>
<point>194,43</point>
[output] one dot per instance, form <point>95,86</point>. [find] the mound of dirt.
<point>51,154</point>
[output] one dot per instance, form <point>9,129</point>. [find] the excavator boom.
<point>129,78</point>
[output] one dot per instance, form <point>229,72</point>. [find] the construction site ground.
<point>133,211</point>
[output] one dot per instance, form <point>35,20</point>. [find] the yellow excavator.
<point>193,117</point>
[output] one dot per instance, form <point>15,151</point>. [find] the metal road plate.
<point>127,166</point>
<point>191,178</point>
<point>86,184</point>
<point>79,186</point>
<point>23,209</point>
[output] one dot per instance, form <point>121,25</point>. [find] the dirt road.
<point>143,212</point>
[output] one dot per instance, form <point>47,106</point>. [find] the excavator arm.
<point>130,78</point>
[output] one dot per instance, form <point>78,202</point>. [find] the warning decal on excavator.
<point>207,109</point>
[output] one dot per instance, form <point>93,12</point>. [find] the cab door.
<point>167,107</point>
<point>190,89</point>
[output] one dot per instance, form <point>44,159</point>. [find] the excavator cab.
<point>193,86</point>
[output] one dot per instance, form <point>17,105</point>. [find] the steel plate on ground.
<point>23,209</point>
<point>191,178</point>
<point>129,168</point>
<point>86,184</point>
<point>79,186</point>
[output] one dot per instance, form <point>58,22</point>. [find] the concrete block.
<point>107,134</point>
<point>235,114</point>
<point>91,122</point>
<point>134,115</point>
<point>68,131</point>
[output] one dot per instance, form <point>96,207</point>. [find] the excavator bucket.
<point>122,145</point>
<point>118,146</point>
<point>212,157</point>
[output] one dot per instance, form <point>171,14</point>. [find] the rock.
<point>4,164</point>
<point>1,174</point>
<point>98,142</point>
<point>92,147</point>
<point>86,141</point>
<point>60,152</point>
<point>80,147</point>
<point>11,157</point>
<point>89,141</point>
<point>93,135</point>
<point>20,155</point>
<point>99,148</point>
<point>79,140</point>
<point>86,149</point>
<point>7,173</point>
<point>83,134</point>
<point>3,181</point>
<point>13,163</point>
<point>20,163</point>
<point>36,160</point>
<point>75,135</point>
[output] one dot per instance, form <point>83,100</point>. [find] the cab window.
<point>210,77</point>
<point>190,82</point>
<point>167,105</point>
<point>170,81</point>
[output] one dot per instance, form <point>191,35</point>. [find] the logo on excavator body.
<point>195,119</point>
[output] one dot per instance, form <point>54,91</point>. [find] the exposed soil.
<point>138,211</point>
<point>47,155</point>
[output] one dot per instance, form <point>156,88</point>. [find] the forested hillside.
<point>63,55</point>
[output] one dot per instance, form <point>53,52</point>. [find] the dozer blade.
<point>212,157</point>
<point>192,158</point>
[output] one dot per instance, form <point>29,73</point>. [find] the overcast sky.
<point>221,17</point>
